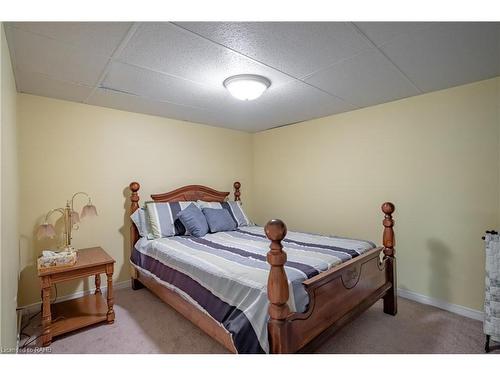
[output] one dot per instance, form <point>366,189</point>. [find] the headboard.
<point>191,193</point>
<point>185,193</point>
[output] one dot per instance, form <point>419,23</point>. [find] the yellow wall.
<point>9,204</point>
<point>436,156</point>
<point>67,147</point>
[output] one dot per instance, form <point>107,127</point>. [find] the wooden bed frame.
<point>336,296</point>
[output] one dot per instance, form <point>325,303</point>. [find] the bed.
<point>263,289</point>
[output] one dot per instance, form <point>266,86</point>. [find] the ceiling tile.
<point>39,84</point>
<point>172,72</point>
<point>161,87</point>
<point>98,38</point>
<point>172,50</point>
<point>297,102</point>
<point>290,103</point>
<point>297,48</point>
<point>383,32</point>
<point>366,79</point>
<point>34,53</point>
<point>281,105</point>
<point>448,54</point>
<point>126,102</point>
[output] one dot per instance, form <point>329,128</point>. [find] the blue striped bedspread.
<point>225,274</point>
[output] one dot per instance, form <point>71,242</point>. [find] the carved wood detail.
<point>277,286</point>
<point>191,193</point>
<point>110,315</point>
<point>388,222</point>
<point>98,284</point>
<point>134,205</point>
<point>350,277</point>
<point>237,193</point>
<point>390,299</point>
<point>46,313</point>
<point>331,304</point>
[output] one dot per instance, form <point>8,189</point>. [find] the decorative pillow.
<point>140,221</point>
<point>162,217</point>
<point>194,220</point>
<point>219,220</point>
<point>234,208</point>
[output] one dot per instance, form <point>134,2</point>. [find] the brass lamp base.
<point>66,248</point>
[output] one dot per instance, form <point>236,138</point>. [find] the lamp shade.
<point>75,217</point>
<point>88,210</point>
<point>45,231</point>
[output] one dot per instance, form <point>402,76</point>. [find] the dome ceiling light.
<point>246,86</point>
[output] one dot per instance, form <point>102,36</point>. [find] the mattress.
<point>225,274</point>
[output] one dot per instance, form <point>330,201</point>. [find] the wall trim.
<point>451,307</point>
<point>408,294</point>
<point>35,307</point>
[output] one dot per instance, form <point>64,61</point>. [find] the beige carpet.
<point>144,324</point>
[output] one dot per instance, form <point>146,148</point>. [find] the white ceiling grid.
<point>317,69</point>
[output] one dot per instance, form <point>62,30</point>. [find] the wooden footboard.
<point>335,296</point>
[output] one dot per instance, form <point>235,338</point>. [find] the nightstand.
<point>67,316</point>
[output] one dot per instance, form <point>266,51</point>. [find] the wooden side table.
<point>63,317</point>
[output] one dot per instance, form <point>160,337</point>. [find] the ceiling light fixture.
<point>246,86</point>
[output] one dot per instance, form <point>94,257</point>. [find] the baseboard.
<point>457,309</point>
<point>34,307</point>
<point>417,297</point>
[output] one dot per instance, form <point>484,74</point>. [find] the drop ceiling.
<point>176,70</point>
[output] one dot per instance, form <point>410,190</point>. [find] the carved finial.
<point>134,186</point>
<point>134,197</point>
<point>388,208</point>
<point>388,237</point>
<point>237,193</point>
<point>277,284</point>
<point>275,230</point>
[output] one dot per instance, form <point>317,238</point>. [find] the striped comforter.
<point>225,274</point>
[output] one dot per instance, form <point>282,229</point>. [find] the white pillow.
<point>141,222</point>
<point>162,217</point>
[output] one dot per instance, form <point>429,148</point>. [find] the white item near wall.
<point>53,259</point>
<point>492,289</point>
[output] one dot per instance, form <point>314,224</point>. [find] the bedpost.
<point>134,233</point>
<point>277,287</point>
<point>134,205</point>
<point>390,299</point>
<point>237,193</point>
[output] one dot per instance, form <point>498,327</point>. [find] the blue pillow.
<point>234,208</point>
<point>194,220</point>
<point>219,220</point>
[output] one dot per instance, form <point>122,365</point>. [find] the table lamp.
<point>71,220</point>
